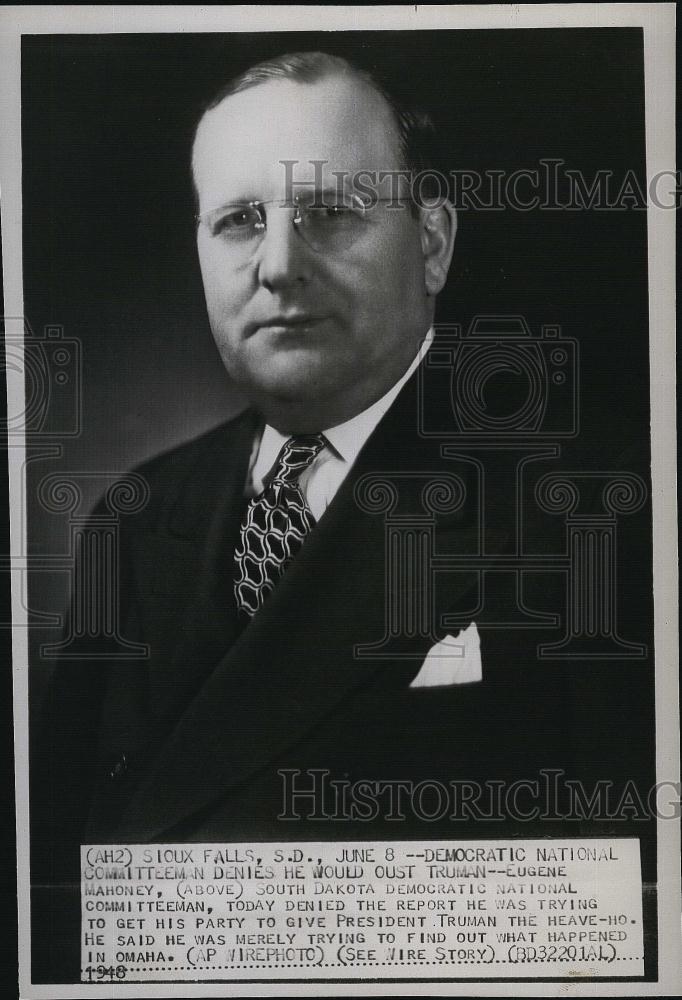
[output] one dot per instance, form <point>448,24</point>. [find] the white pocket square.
<point>453,660</point>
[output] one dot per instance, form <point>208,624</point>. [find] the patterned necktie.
<point>275,525</point>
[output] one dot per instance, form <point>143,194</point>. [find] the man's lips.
<point>289,321</point>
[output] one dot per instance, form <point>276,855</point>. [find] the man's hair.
<point>415,130</point>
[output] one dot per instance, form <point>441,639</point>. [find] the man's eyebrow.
<point>325,192</point>
<point>236,200</point>
<point>326,195</point>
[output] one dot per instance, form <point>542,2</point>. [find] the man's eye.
<point>337,213</point>
<point>237,219</point>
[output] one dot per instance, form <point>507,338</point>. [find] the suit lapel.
<point>193,595</point>
<point>295,661</point>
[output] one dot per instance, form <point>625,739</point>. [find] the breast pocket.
<point>452,661</point>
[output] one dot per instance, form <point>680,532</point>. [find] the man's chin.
<point>293,389</point>
<point>295,375</point>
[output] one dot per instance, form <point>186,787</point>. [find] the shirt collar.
<point>348,438</point>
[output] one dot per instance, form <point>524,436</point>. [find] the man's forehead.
<point>339,120</point>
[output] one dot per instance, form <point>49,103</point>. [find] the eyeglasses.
<point>326,227</point>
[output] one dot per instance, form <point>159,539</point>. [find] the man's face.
<point>294,324</point>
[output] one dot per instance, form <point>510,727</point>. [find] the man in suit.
<point>260,574</point>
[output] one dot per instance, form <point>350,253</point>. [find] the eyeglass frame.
<point>297,220</point>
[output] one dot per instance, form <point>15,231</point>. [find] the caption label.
<point>408,909</point>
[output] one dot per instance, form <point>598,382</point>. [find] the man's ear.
<point>438,229</point>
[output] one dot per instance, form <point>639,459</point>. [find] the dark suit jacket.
<point>189,743</point>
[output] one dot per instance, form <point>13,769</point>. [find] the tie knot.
<point>295,456</point>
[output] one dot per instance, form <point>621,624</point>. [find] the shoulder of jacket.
<point>196,463</point>
<point>184,456</point>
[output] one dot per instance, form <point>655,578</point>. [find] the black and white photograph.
<point>339,347</point>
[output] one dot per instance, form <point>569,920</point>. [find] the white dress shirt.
<point>321,480</point>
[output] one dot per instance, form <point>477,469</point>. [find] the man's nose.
<point>283,257</point>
